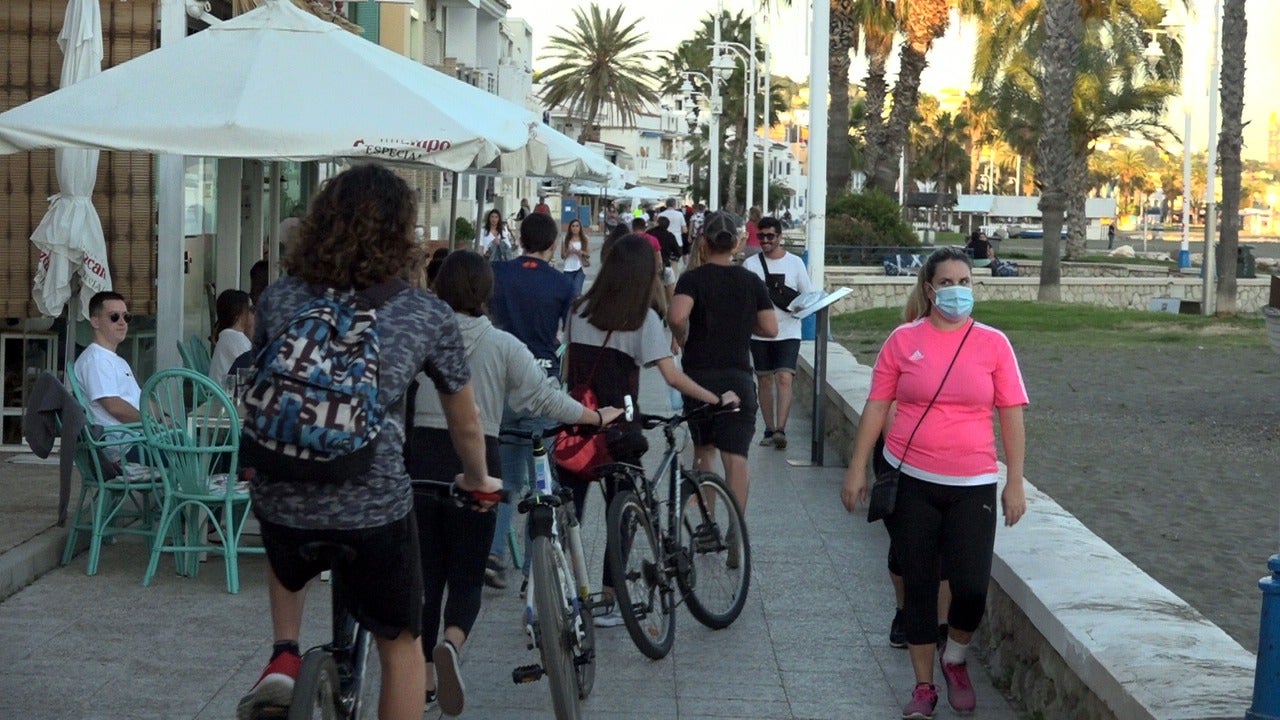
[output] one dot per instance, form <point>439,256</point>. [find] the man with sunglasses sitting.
<point>106,378</point>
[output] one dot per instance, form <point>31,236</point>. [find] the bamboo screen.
<point>30,64</point>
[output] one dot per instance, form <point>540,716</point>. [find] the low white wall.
<point>1131,293</point>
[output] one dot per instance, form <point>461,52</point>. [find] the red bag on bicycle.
<point>580,451</point>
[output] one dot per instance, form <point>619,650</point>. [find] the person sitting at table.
<point>106,378</point>
<point>980,250</point>
<point>108,382</point>
<point>231,332</point>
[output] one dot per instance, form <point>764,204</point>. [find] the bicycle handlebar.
<point>649,422</point>
<point>465,497</point>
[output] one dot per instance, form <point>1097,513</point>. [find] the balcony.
<point>663,170</point>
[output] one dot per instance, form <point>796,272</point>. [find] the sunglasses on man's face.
<point>115,317</point>
<point>768,236</point>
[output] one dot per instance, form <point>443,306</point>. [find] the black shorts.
<point>772,356</point>
<point>728,432</point>
<point>382,583</point>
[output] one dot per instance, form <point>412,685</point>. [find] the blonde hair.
<point>918,303</point>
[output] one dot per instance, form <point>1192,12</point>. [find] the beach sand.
<point>1171,455</point>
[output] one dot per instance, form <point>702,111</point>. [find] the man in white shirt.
<point>775,358</point>
<point>677,225</point>
<point>105,377</point>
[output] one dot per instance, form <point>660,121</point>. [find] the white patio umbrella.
<point>275,83</point>
<point>70,234</point>
<point>552,154</point>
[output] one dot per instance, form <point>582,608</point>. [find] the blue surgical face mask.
<point>955,302</point>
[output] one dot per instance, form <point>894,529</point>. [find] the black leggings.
<point>956,525</point>
<point>454,541</point>
<point>580,489</point>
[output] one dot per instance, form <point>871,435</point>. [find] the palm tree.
<point>598,64</point>
<point>1230,139</point>
<point>923,22</point>
<point>1130,170</point>
<point>1111,95</point>
<point>1063,29</point>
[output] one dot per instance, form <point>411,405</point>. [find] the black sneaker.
<point>767,440</point>
<point>897,633</point>
<point>495,573</point>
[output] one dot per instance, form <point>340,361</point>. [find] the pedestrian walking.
<point>946,375</point>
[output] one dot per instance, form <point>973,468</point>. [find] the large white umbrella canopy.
<point>275,83</point>
<point>552,154</point>
<point>70,235</point>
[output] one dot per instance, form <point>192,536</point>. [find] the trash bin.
<point>1245,265</point>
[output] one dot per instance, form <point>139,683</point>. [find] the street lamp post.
<point>691,117</point>
<point>768,142</point>
<point>725,53</point>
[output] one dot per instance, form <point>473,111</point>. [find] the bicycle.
<point>559,603</point>
<point>332,683</point>
<point>701,549</point>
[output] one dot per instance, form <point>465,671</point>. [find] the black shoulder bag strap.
<point>906,449</point>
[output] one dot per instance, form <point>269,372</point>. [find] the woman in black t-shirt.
<point>717,307</point>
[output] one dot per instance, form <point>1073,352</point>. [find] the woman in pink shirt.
<point>947,493</point>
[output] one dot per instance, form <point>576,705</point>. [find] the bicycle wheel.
<point>315,690</point>
<point>639,582</point>
<point>715,538</point>
<point>582,625</point>
<point>554,613</point>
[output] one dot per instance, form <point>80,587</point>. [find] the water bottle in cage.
<point>541,470</point>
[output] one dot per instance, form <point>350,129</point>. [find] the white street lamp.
<point>1153,54</point>
<point>691,117</point>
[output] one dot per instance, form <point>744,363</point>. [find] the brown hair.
<point>918,303</point>
<point>621,294</point>
<point>465,282</point>
<point>358,233</point>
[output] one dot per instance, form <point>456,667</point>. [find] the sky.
<point>668,22</point>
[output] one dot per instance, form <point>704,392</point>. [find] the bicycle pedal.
<point>270,712</point>
<point>527,674</point>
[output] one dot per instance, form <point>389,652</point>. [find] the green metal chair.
<point>117,496</point>
<point>193,432</point>
<point>195,354</point>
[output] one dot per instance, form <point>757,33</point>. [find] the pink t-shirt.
<point>955,444</point>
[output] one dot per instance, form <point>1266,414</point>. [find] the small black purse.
<point>883,499</point>
<point>780,293</point>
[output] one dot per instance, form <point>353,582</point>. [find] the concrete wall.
<point>1131,293</point>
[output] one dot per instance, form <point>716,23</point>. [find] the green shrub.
<point>867,218</point>
<point>463,230</point>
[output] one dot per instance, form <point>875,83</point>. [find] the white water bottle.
<point>541,470</point>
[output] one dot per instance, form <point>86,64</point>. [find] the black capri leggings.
<point>956,525</point>
<point>454,540</point>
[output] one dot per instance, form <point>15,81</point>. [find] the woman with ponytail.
<point>947,376</point>
<point>717,307</point>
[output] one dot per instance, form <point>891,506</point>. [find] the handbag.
<point>779,292</point>
<point>883,499</point>
<point>580,452</point>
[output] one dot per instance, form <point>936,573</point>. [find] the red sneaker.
<point>959,689</point>
<point>923,700</point>
<point>274,688</point>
